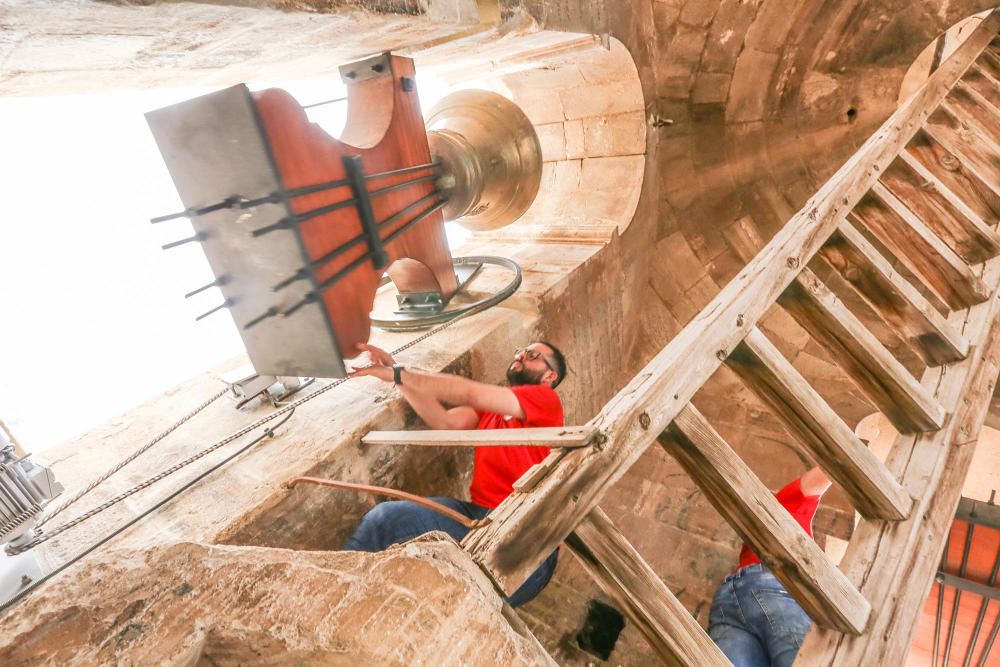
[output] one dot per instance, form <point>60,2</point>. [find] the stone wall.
<point>201,605</point>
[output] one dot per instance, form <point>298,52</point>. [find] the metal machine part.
<point>421,315</point>
<point>273,389</point>
<point>25,487</point>
<point>491,157</point>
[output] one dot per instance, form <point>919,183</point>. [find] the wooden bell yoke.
<point>298,226</point>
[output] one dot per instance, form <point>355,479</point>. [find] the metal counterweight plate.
<point>214,148</point>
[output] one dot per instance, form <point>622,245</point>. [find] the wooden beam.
<point>883,379</point>
<point>990,64</point>
<point>757,516</point>
<point>979,195</point>
<point>975,151</point>
<point>634,587</point>
<point>979,79</point>
<point>526,527</point>
<point>832,443</point>
<point>921,250</point>
<point>894,564</point>
<point>556,436</point>
<point>967,105</point>
<point>941,209</point>
<point>893,297</point>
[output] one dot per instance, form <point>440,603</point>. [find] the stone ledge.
<point>424,602</point>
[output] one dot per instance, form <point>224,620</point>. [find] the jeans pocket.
<point>785,617</point>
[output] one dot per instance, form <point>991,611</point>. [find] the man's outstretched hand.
<point>381,367</point>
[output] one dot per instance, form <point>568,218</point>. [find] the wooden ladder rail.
<point>527,526</point>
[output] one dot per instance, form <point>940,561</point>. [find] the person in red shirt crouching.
<point>753,619</point>
<point>528,401</point>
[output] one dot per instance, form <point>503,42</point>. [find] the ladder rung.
<point>832,443</point>
<point>967,105</point>
<point>949,169</point>
<point>969,146</point>
<point>941,209</point>
<point>755,514</point>
<point>990,64</point>
<point>554,436</point>
<point>923,252</point>
<point>892,296</point>
<point>633,585</point>
<point>883,379</point>
<point>979,79</point>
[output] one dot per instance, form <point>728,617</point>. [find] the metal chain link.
<point>233,436</point>
<point>170,429</point>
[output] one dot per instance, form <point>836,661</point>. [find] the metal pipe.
<point>225,304</point>
<point>325,102</point>
<point>200,236</point>
<point>471,524</point>
<point>982,612</point>
<point>989,643</point>
<point>940,601</point>
<point>218,282</point>
<point>329,282</point>
<point>958,592</point>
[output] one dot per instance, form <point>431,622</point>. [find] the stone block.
<point>770,27</point>
<point>193,603</point>
<point>711,88</point>
<point>621,134</point>
<point>553,141</point>
<point>601,100</point>
<point>752,85</point>
<point>540,106</point>
<point>575,144</point>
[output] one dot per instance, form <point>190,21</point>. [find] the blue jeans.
<point>399,521</point>
<point>755,621</point>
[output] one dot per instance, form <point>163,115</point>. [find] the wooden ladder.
<point>909,224</point>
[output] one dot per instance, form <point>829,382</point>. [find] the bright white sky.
<point>93,316</point>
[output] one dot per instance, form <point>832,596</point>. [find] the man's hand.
<point>381,367</point>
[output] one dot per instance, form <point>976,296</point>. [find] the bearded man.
<point>446,401</point>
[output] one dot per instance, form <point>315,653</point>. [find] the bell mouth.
<point>491,158</point>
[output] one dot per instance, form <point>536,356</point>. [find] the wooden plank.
<point>556,436</point>
<point>975,151</point>
<point>527,527</point>
<point>537,472</point>
<point>832,443</point>
<point>920,249</point>
<point>894,564</point>
<point>979,195</point>
<point>634,587</point>
<point>990,64</point>
<point>757,516</point>
<point>941,209</point>
<point>884,380</point>
<point>967,105</point>
<point>892,296</point>
<point>980,80</point>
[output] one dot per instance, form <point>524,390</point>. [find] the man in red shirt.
<point>753,619</point>
<point>528,401</point>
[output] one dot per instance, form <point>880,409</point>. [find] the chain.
<point>173,427</point>
<point>221,443</point>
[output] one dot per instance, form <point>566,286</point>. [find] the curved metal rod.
<point>393,493</point>
<point>486,302</point>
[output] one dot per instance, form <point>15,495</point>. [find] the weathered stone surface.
<point>423,603</point>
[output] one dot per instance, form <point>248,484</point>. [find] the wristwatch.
<point>397,370</point>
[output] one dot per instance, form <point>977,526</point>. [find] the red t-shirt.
<point>803,508</point>
<point>497,468</point>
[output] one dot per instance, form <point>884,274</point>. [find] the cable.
<point>132,457</point>
<point>268,433</point>
<point>45,537</point>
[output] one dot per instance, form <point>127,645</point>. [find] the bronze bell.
<point>491,158</point>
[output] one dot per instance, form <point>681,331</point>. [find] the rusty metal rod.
<point>393,493</point>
